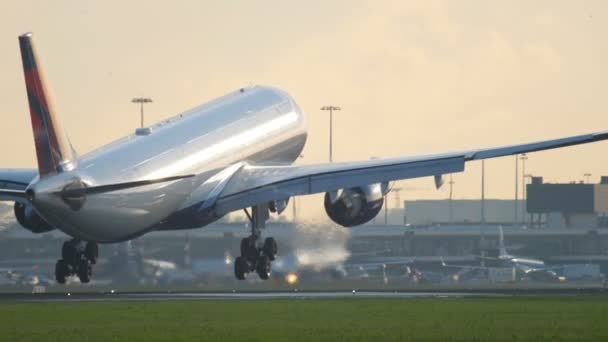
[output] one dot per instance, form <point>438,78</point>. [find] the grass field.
<point>516,318</point>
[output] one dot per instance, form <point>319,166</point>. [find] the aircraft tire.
<point>240,268</point>
<point>61,271</point>
<point>263,267</point>
<point>69,252</point>
<point>91,252</point>
<point>270,248</point>
<point>84,271</point>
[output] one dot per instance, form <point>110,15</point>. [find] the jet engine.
<point>355,206</point>
<point>29,219</point>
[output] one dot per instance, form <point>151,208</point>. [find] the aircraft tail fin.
<point>53,149</point>
<point>502,250</point>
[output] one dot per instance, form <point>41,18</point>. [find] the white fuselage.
<point>252,125</point>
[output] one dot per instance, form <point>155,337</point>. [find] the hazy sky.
<point>411,77</point>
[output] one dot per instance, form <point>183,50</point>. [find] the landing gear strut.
<point>77,257</point>
<point>256,256</point>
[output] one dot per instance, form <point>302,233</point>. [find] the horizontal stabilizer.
<point>15,193</point>
<point>80,189</point>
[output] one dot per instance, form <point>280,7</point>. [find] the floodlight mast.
<point>331,115</point>
<point>523,159</point>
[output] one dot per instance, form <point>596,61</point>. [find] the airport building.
<point>424,245</point>
<point>547,206</point>
<point>429,212</point>
<point>563,224</point>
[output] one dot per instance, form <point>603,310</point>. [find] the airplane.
<point>533,268</point>
<point>233,153</point>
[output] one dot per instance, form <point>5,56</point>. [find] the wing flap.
<point>263,184</point>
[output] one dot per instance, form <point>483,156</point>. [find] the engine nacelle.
<point>355,206</point>
<point>29,219</point>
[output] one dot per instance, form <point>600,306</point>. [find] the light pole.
<point>451,183</point>
<point>482,237</point>
<point>141,101</point>
<point>587,177</point>
<point>515,215</point>
<point>331,116</point>
<point>396,191</point>
<point>526,176</point>
<point>397,202</point>
<point>386,210</point>
<point>483,193</point>
<point>523,158</point>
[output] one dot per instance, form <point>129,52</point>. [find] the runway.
<point>168,296</point>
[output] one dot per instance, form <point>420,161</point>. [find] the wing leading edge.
<point>253,185</point>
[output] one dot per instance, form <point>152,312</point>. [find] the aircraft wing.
<point>252,185</point>
<point>468,267</point>
<point>13,182</point>
<point>376,265</point>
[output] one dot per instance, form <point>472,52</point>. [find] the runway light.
<point>291,278</point>
<point>227,260</point>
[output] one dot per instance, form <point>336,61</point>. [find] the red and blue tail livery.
<point>53,150</point>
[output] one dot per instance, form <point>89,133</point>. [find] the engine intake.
<point>355,206</point>
<point>30,220</point>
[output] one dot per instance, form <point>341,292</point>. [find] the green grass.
<point>507,319</point>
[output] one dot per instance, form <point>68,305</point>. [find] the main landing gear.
<point>77,257</point>
<point>255,255</point>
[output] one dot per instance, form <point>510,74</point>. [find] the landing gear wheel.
<point>254,258</point>
<point>69,252</point>
<point>91,252</point>
<point>62,270</point>
<point>248,249</point>
<point>270,248</point>
<point>77,258</point>
<point>84,271</point>
<point>263,267</point>
<point>241,268</point>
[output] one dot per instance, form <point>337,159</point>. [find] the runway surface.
<point>45,297</point>
<point>166,296</point>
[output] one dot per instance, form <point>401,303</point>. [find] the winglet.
<point>53,150</point>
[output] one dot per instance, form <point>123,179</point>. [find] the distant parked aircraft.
<point>533,268</point>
